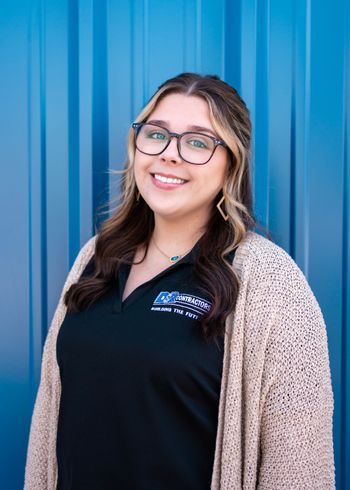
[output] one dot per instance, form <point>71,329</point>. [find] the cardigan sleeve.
<point>40,471</point>
<point>296,443</point>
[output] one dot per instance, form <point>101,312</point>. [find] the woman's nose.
<point>171,152</point>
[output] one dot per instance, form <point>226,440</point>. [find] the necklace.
<point>172,258</point>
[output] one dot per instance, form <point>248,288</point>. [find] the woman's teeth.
<point>168,180</point>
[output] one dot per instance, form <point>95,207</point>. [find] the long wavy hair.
<point>131,225</point>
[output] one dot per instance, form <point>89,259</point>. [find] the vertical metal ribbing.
<point>73,131</point>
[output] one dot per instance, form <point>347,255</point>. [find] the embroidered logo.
<point>181,303</point>
<point>165,298</point>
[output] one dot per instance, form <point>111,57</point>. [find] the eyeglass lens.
<point>193,147</point>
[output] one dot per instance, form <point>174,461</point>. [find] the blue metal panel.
<point>15,334</point>
<point>36,195</point>
<point>301,128</point>
<point>73,129</point>
<point>56,128</point>
<point>261,120</point>
<point>100,107</point>
<point>344,409</point>
<point>325,181</point>
<point>84,27</point>
<point>280,120</point>
<point>74,76</point>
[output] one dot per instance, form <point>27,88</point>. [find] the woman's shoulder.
<point>257,255</point>
<point>88,249</point>
<point>84,256</point>
<point>258,247</point>
<point>271,278</point>
<point>268,271</point>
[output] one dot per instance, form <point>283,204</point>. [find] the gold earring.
<point>225,216</point>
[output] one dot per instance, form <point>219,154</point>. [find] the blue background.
<point>73,76</point>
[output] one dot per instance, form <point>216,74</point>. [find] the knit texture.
<point>276,401</point>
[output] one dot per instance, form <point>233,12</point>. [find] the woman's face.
<point>192,194</point>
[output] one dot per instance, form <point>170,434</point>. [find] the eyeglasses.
<point>196,148</point>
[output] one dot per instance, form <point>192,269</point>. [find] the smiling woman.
<point>187,351</point>
<point>171,192</point>
<point>192,188</point>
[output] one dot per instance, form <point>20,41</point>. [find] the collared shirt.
<point>140,388</point>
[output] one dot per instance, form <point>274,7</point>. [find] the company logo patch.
<point>181,303</point>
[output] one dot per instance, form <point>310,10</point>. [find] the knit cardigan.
<point>276,401</point>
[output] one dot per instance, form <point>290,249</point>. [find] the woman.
<point>187,351</point>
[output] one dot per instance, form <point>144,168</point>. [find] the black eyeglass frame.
<point>178,136</point>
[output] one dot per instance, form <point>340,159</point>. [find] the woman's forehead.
<point>184,110</point>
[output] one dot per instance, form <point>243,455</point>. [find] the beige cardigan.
<point>276,402</point>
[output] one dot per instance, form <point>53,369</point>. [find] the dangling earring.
<point>225,216</point>
<point>137,196</point>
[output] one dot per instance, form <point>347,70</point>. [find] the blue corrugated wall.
<point>73,76</point>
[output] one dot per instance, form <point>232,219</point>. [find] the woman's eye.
<point>156,135</point>
<point>197,143</point>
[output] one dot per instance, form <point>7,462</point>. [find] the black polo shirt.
<point>140,388</point>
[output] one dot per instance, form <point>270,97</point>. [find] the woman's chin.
<point>164,208</point>
<point>168,214</point>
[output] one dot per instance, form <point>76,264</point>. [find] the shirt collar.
<point>191,256</point>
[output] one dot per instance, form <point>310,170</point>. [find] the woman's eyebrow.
<point>201,129</point>
<point>189,128</point>
<point>158,122</point>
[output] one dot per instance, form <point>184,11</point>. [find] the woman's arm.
<point>296,443</point>
<point>40,472</point>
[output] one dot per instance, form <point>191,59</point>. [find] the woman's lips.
<point>167,181</point>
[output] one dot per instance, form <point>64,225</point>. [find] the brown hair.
<point>132,224</point>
